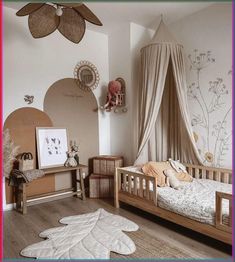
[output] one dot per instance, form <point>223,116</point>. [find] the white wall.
<point>120,66</point>
<point>125,42</point>
<point>32,66</point>
<point>210,30</point>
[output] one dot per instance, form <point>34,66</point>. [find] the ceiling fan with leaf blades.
<point>68,18</point>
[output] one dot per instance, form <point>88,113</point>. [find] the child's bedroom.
<point>117,130</point>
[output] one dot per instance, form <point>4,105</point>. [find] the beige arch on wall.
<point>69,106</point>
<point>21,124</point>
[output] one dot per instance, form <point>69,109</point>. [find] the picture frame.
<point>52,146</point>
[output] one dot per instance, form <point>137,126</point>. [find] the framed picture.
<point>52,146</point>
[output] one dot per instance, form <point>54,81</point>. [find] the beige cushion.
<point>156,169</point>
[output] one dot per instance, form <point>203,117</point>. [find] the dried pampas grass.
<point>10,151</point>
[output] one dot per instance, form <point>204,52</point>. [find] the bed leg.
<point>155,191</point>
<point>116,200</point>
<point>116,204</point>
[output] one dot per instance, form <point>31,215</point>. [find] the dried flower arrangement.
<point>10,151</point>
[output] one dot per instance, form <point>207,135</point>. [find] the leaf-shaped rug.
<point>93,235</point>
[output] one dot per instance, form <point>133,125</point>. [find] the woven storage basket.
<point>106,165</point>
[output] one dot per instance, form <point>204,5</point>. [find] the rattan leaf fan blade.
<point>72,25</point>
<point>68,18</point>
<point>70,4</point>
<point>43,21</point>
<point>29,8</point>
<point>88,15</point>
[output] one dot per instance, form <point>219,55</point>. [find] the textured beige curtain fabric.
<point>154,64</point>
<point>164,124</point>
<point>178,66</point>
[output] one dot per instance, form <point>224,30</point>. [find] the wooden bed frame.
<point>127,191</point>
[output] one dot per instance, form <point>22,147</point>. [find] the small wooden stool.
<point>21,190</point>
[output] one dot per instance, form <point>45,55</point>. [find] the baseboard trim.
<point>9,207</point>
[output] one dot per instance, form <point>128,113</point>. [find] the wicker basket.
<point>26,161</point>
<point>106,165</point>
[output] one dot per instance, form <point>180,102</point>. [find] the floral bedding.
<point>195,200</point>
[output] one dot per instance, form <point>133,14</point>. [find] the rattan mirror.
<point>86,76</point>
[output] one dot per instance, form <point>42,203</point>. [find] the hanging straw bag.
<point>26,161</point>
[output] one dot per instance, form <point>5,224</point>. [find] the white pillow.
<point>173,181</point>
<point>177,166</point>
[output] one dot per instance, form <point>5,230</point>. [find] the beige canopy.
<point>164,127</point>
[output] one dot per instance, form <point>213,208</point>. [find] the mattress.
<point>195,200</point>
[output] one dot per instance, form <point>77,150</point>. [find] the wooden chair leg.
<point>74,181</point>
<point>24,199</point>
<point>18,198</point>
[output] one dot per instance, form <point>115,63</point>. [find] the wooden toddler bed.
<point>141,191</point>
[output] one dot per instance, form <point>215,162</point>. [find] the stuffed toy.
<point>71,161</point>
<point>74,149</point>
<point>73,158</point>
<point>114,90</point>
<point>173,181</point>
<point>177,166</point>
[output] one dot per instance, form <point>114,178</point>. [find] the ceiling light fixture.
<point>59,10</point>
<point>69,19</point>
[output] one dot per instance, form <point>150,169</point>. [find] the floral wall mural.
<point>211,110</point>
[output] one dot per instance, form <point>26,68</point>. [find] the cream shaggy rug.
<point>89,236</point>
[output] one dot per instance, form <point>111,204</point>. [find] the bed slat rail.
<point>219,222</point>
<point>134,188</point>
<point>212,173</point>
<point>135,184</point>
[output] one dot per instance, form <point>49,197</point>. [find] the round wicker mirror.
<point>86,76</point>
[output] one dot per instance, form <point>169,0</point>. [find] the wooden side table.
<point>21,189</point>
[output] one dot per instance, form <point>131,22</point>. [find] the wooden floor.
<point>22,230</point>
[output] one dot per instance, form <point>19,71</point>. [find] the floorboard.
<point>23,230</point>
